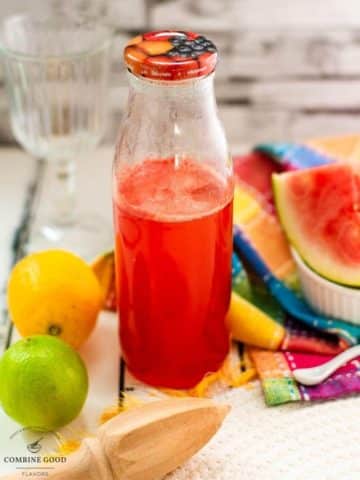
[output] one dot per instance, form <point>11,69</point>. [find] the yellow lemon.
<point>249,324</point>
<point>54,292</point>
<point>104,268</point>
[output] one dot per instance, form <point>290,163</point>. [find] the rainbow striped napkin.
<point>254,213</point>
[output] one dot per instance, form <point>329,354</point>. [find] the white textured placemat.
<point>291,442</point>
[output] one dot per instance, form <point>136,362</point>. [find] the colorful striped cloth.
<point>300,346</point>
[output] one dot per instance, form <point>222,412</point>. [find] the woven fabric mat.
<point>296,441</point>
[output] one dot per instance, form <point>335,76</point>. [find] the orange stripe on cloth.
<point>269,364</point>
<point>264,231</point>
<point>344,147</point>
<point>267,237</point>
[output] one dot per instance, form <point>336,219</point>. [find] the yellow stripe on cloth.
<point>245,207</point>
<point>251,325</point>
<point>267,236</point>
<point>264,232</point>
<point>342,147</point>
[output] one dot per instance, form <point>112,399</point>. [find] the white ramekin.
<point>327,297</point>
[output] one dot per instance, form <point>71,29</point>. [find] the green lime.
<point>43,382</point>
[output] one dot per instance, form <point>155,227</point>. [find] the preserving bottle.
<point>172,199</point>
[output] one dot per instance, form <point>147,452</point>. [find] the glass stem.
<point>63,192</point>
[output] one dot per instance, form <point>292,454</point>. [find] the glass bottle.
<point>172,198</point>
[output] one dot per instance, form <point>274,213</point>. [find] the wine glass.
<point>57,73</point>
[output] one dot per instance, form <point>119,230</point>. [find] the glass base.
<point>89,236</point>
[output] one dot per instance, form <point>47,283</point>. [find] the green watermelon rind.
<point>316,260</point>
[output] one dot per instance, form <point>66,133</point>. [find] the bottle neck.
<point>173,119</point>
<point>199,92</point>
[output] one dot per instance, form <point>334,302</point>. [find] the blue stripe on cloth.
<point>298,156</point>
<point>277,151</point>
<point>304,157</point>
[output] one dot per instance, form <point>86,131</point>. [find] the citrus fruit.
<point>104,268</point>
<point>54,292</point>
<point>249,324</point>
<point>44,382</point>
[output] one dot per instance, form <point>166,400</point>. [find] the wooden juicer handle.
<point>145,443</point>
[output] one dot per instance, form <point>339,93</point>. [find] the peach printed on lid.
<point>170,55</point>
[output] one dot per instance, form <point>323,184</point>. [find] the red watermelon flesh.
<point>319,209</point>
<point>255,169</point>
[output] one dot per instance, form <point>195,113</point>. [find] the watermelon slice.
<point>319,209</point>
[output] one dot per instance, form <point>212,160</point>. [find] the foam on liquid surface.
<point>160,189</point>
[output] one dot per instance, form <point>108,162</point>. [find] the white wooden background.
<point>289,69</point>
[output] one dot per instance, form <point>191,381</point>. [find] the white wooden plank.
<point>293,95</point>
<point>245,124</point>
<point>17,169</point>
<point>317,94</point>
<point>299,14</point>
<point>293,53</point>
<point>5,130</point>
<point>12,7</point>
<point>305,126</point>
<point>250,14</point>
<point>125,14</point>
<point>272,109</point>
<point>117,55</point>
<point>94,186</point>
<point>248,125</point>
<point>197,16</point>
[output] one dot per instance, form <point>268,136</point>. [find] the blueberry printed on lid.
<point>170,55</point>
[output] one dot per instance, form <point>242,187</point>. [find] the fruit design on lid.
<point>170,55</point>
